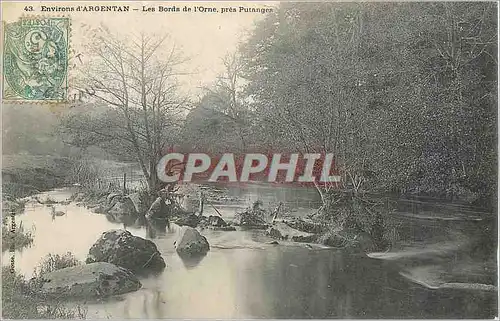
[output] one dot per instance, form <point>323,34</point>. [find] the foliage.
<point>28,128</point>
<point>18,304</point>
<point>13,206</point>
<point>403,94</point>
<point>24,175</point>
<point>130,91</point>
<point>222,112</point>
<point>85,172</point>
<point>253,215</point>
<point>17,238</point>
<point>53,262</point>
<point>360,214</point>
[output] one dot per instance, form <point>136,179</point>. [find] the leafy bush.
<point>15,190</point>
<point>84,171</point>
<point>13,206</point>
<point>17,239</point>
<point>357,212</point>
<point>253,215</point>
<point>53,262</point>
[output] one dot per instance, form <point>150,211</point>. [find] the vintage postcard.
<point>249,160</point>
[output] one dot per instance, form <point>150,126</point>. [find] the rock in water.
<point>216,221</point>
<point>304,224</point>
<point>250,219</point>
<point>191,220</point>
<point>88,281</point>
<point>138,203</point>
<point>122,209</point>
<point>191,243</point>
<point>158,210</point>
<point>282,231</point>
<point>122,248</point>
<point>350,239</point>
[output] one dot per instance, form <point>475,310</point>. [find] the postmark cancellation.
<point>35,59</point>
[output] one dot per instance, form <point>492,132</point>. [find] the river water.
<point>244,277</point>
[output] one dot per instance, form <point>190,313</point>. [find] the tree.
<point>402,93</point>
<point>134,81</point>
<point>304,79</point>
<point>221,120</point>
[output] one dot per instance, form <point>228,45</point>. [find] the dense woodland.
<point>404,94</point>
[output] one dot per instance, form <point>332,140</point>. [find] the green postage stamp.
<point>35,59</point>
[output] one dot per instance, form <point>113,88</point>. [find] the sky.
<point>202,37</point>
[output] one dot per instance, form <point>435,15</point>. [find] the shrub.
<point>17,304</point>
<point>357,212</point>
<point>12,206</point>
<point>17,239</point>
<point>53,262</point>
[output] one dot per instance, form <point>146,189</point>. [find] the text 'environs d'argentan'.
<point>96,8</point>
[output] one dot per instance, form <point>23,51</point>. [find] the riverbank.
<point>25,175</point>
<point>21,298</point>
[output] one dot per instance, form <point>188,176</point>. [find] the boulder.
<point>250,219</point>
<point>121,248</point>
<point>191,220</point>
<point>333,240</point>
<point>121,219</point>
<point>123,207</point>
<point>87,281</point>
<point>282,231</point>
<point>191,243</point>
<point>192,261</point>
<point>351,239</point>
<point>158,210</point>
<point>304,224</point>
<point>137,201</point>
<point>216,221</point>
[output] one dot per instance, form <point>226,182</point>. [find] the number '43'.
<point>28,8</point>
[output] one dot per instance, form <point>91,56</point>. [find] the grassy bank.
<point>15,238</point>
<point>20,299</point>
<point>24,175</point>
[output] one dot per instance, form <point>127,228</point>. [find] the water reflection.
<point>243,277</point>
<point>156,228</point>
<point>191,261</point>
<point>299,283</point>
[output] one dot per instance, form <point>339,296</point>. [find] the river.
<point>244,277</point>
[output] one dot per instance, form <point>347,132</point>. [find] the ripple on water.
<point>242,277</point>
